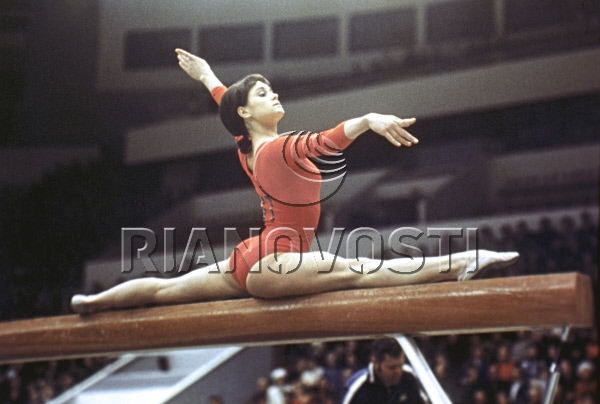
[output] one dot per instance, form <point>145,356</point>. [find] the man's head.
<point>278,376</point>
<point>387,358</point>
<point>215,399</point>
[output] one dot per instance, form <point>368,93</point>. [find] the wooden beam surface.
<point>501,304</point>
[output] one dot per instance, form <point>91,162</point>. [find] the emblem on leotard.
<point>315,169</point>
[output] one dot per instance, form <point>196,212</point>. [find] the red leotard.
<point>288,185</point>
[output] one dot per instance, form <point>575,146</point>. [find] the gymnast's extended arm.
<point>388,126</point>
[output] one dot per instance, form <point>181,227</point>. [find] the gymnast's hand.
<point>196,67</point>
<point>392,128</point>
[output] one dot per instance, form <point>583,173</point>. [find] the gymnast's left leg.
<point>199,285</point>
<point>301,274</point>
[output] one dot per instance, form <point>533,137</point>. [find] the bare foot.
<point>80,306</point>
<point>486,259</point>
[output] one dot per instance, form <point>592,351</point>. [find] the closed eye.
<point>262,91</point>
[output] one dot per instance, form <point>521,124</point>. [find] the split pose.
<point>279,261</point>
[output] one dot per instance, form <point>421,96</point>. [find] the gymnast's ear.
<point>243,112</point>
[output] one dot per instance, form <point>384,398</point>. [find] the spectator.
<point>260,395</point>
<point>567,381</point>
<point>276,391</point>
<point>507,240</point>
<point>587,399</point>
<point>469,382</point>
<point>448,383</point>
<point>532,365</point>
<point>351,362</point>
<point>501,397</point>
<point>456,350</point>
<point>586,383</point>
<point>478,361</point>
<point>300,365</point>
<point>384,380</point>
<point>534,394</point>
<point>547,235</point>
<point>487,240</point>
<point>587,234</point>
<point>519,348</point>
<point>480,397</point>
<point>215,399</point>
<point>591,348</point>
<point>302,395</point>
<point>518,388</point>
<point>492,384</point>
<point>590,267</point>
<point>46,390</point>
<point>570,258</point>
<point>333,375</point>
<point>312,374</point>
<point>351,347</point>
<point>506,368</point>
<point>324,393</point>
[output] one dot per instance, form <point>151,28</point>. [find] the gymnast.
<point>277,166</point>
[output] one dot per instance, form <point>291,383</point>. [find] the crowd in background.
<point>38,382</point>
<point>570,246</point>
<point>498,368</point>
<point>482,368</point>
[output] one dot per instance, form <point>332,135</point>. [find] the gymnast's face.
<point>263,105</point>
<point>389,371</point>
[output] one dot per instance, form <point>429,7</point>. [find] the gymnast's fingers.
<point>404,123</point>
<point>407,122</point>
<point>392,139</point>
<point>400,134</point>
<point>183,53</point>
<point>398,140</point>
<point>405,135</point>
<point>185,65</point>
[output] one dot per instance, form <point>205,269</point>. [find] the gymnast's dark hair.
<point>237,96</point>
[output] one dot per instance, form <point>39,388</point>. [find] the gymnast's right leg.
<point>317,273</point>
<point>196,286</point>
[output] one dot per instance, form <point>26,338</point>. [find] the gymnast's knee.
<point>163,289</point>
<point>259,285</point>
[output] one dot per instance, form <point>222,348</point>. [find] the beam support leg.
<point>430,384</point>
<point>554,374</point>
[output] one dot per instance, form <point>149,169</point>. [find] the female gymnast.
<point>276,165</point>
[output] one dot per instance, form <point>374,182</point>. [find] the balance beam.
<point>502,304</point>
